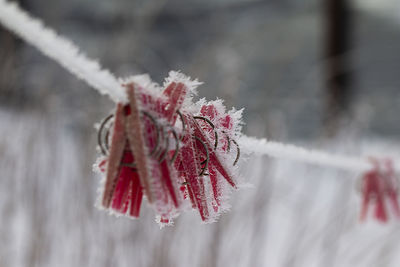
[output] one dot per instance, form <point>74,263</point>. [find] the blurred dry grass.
<point>295,215</point>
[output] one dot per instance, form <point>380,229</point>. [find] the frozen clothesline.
<point>68,55</point>
<point>61,50</point>
<point>291,152</point>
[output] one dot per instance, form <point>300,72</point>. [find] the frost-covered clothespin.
<point>380,188</point>
<point>168,149</point>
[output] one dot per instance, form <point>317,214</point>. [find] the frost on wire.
<point>162,146</point>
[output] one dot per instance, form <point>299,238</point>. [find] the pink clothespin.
<point>379,185</point>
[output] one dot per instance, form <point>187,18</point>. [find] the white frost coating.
<point>61,50</point>
<point>250,145</point>
<point>144,81</point>
<point>237,118</point>
<point>177,76</point>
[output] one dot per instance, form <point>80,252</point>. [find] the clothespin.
<point>379,185</point>
<point>136,159</point>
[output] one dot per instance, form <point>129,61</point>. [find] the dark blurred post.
<point>7,63</point>
<point>337,38</point>
<point>10,89</point>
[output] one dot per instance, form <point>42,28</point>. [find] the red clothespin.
<point>378,185</point>
<point>391,186</point>
<point>126,172</point>
<point>200,148</point>
<point>138,156</point>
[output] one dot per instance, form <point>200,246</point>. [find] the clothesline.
<point>69,56</point>
<point>296,153</point>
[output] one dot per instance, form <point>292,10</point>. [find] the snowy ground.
<point>295,215</point>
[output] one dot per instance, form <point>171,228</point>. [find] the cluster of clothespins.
<point>182,155</point>
<point>178,154</point>
<point>379,188</point>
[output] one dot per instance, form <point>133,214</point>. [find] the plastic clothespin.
<point>379,185</point>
